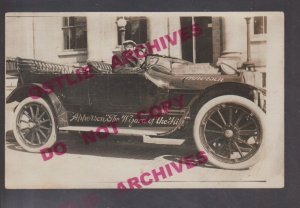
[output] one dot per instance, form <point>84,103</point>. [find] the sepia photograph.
<point>144,100</point>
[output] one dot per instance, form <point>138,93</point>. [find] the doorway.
<point>200,51</point>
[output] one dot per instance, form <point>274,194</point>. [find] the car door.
<point>124,91</point>
<point>132,92</point>
<point>116,92</point>
<point>76,91</point>
<point>98,87</point>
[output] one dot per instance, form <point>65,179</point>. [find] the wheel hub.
<point>32,125</point>
<point>228,133</point>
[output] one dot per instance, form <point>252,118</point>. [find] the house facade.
<point>74,39</point>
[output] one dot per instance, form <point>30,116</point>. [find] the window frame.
<point>258,37</point>
<point>68,27</point>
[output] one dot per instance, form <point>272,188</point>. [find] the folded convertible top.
<point>16,65</point>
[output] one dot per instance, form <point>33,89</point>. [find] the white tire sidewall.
<point>259,114</point>
<point>53,137</point>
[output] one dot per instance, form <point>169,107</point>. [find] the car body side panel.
<point>109,97</point>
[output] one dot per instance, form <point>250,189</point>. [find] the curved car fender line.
<point>183,119</point>
<point>224,87</point>
<point>14,95</point>
<point>233,88</point>
<point>21,93</point>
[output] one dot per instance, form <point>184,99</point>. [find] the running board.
<point>121,130</point>
<point>167,141</point>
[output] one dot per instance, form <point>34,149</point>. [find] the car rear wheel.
<point>34,125</point>
<point>231,130</point>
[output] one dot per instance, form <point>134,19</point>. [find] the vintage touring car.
<point>222,110</point>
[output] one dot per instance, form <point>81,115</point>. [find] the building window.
<point>135,29</point>
<point>260,25</point>
<point>75,33</point>
<point>198,49</point>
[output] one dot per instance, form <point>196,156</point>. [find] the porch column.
<point>233,32</point>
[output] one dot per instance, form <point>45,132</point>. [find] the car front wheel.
<point>231,130</point>
<point>34,125</point>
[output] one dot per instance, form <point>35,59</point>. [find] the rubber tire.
<point>260,115</point>
<point>53,136</point>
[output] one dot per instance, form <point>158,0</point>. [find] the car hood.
<point>190,81</point>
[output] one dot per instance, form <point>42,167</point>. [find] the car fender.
<point>255,94</point>
<point>21,92</point>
